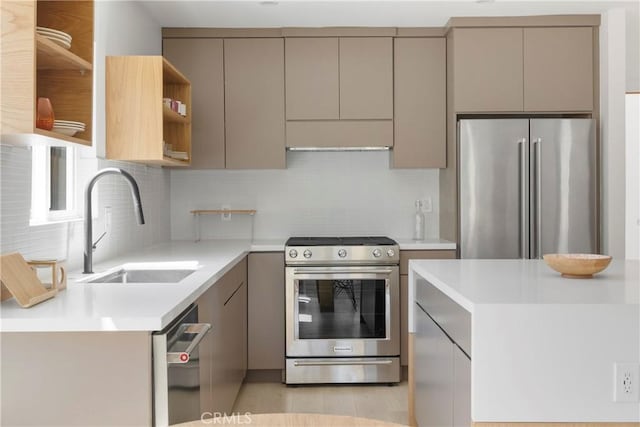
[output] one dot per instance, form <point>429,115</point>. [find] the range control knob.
<point>307,253</point>
<point>377,253</point>
<point>342,253</point>
<point>390,253</point>
<point>293,253</point>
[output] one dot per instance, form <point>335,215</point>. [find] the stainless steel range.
<point>342,310</point>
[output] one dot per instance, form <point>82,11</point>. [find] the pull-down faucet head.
<point>88,220</point>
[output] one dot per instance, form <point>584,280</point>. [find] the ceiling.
<point>303,13</point>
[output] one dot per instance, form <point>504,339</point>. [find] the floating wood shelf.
<point>52,56</point>
<point>222,211</point>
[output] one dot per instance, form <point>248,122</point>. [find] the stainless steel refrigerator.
<point>527,187</point>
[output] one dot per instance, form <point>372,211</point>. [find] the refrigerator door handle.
<point>524,209</point>
<point>537,145</point>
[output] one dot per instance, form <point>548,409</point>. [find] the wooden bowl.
<point>577,266</point>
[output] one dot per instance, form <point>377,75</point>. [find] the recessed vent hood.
<point>338,148</point>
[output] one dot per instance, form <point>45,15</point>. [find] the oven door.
<point>342,311</point>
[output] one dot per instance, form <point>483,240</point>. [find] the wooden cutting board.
<point>22,282</point>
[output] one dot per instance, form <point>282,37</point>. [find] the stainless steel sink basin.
<point>143,276</point>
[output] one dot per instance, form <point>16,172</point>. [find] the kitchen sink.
<point>145,272</point>
<point>143,276</point>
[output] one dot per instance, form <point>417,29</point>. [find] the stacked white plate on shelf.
<point>56,36</point>
<point>67,127</point>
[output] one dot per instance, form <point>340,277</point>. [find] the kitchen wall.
<point>121,27</point>
<point>320,193</point>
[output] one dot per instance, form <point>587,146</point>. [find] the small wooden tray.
<point>22,282</point>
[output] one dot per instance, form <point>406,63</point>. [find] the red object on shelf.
<point>44,114</point>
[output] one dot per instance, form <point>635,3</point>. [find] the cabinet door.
<point>433,372</point>
<point>201,61</point>
<point>254,103</point>
<point>420,103</point>
<point>558,69</point>
<point>208,312</point>
<point>312,82</point>
<point>488,69</point>
<point>266,321</point>
<point>235,338</point>
<point>461,388</point>
<point>366,78</point>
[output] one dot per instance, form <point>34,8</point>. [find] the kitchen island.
<point>542,348</point>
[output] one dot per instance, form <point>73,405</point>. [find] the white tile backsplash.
<point>320,193</point>
<point>65,240</point>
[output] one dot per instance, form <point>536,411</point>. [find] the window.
<point>52,184</point>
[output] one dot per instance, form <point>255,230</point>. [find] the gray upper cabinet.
<point>201,61</point>
<point>312,80</point>
<point>420,103</point>
<point>366,78</point>
<point>488,73</point>
<point>558,69</point>
<point>254,103</point>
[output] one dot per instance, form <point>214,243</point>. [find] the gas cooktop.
<point>341,241</point>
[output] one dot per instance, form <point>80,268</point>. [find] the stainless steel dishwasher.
<point>176,369</point>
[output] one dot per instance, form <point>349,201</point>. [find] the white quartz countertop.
<point>426,244</point>
<point>543,347</point>
<point>134,306</point>
<point>473,282</point>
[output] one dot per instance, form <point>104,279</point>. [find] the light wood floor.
<point>386,403</point>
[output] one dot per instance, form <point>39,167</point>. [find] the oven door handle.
<point>341,362</point>
<point>369,271</point>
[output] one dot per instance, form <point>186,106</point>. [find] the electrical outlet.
<point>427,206</point>
<point>626,381</point>
<point>226,216</point>
<point>107,219</point>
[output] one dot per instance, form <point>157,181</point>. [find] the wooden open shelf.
<point>171,116</point>
<point>138,122</point>
<point>52,56</point>
<point>36,67</point>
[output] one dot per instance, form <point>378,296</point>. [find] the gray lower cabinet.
<point>405,256</point>
<point>223,352</point>
<point>442,369</point>
<point>266,310</point>
<point>433,373</point>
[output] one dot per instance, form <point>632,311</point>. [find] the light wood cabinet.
<point>312,78</point>
<point>33,66</point>
<point>223,352</point>
<point>366,78</point>
<point>138,122</point>
<point>488,69</point>
<point>266,321</point>
<point>254,103</point>
<point>202,62</point>
<point>558,69</point>
<point>405,256</point>
<point>420,103</point>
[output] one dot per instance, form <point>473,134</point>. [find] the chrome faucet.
<point>88,220</point>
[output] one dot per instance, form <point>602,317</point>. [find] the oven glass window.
<point>337,309</point>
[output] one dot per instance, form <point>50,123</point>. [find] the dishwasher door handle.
<point>181,357</point>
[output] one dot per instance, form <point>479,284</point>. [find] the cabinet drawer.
<point>451,317</point>
<point>231,281</point>
<point>405,256</point>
